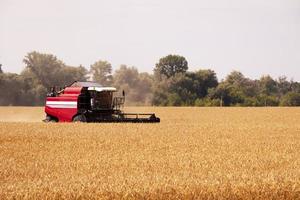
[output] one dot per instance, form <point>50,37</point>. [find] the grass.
<point>194,153</point>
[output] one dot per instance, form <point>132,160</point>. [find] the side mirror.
<point>123,93</point>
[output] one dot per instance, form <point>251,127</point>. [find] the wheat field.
<point>194,153</point>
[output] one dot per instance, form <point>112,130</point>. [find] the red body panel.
<point>64,106</point>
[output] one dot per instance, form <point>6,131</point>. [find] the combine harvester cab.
<point>90,102</point>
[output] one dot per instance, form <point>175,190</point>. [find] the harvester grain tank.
<point>90,102</point>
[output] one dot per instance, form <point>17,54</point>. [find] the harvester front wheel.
<point>79,118</point>
<point>50,119</point>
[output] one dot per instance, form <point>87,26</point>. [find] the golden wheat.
<point>194,153</point>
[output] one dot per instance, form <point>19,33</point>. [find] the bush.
<point>250,101</point>
<point>174,100</point>
<point>205,102</point>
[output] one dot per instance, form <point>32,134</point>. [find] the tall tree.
<point>268,91</point>
<point>137,86</point>
<point>102,72</point>
<point>283,85</point>
<point>145,88</point>
<point>11,89</point>
<point>225,93</point>
<point>202,81</point>
<point>268,85</point>
<point>126,76</point>
<point>234,89</point>
<point>50,71</point>
<point>235,78</point>
<point>170,65</point>
<point>1,69</point>
<point>43,71</point>
<point>46,67</point>
<point>295,86</point>
<point>70,74</point>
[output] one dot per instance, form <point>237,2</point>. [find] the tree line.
<point>171,84</point>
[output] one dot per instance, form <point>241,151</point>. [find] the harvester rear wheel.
<point>79,118</point>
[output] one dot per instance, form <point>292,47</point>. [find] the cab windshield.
<point>101,100</point>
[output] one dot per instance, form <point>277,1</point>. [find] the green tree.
<point>145,88</point>
<point>202,80</point>
<point>102,72</point>
<point>223,92</point>
<point>268,85</point>
<point>183,86</point>
<point>69,74</point>
<point>45,67</point>
<point>10,89</point>
<point>283,86</point>
<point>32,89</point>
<point>126,75</point>
<point>295,86</point>
<point>170,65</point>
<point>291,99</point>
<point>231,91</point>
<point>138,87</point>
<point>1,72</point>
<point>235,78</point>
<point>49,71</point>
<point>182,89</point>
<point>174,99</point>
<point>43,71</point>
<point>174,91</point>
<point>268,91</point>
<point>161,92</point>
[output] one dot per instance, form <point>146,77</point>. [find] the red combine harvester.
<point>89,102</point>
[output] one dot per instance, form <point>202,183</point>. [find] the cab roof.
<point>85,84</point>
<point>92,86</point>
<point>101,89</point>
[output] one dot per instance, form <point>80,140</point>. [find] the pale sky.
<point>256,37</point>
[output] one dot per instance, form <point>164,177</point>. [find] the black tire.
<point>50,119</point>
<point>79,118</point>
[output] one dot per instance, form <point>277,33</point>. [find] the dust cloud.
<point>21,114</point>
